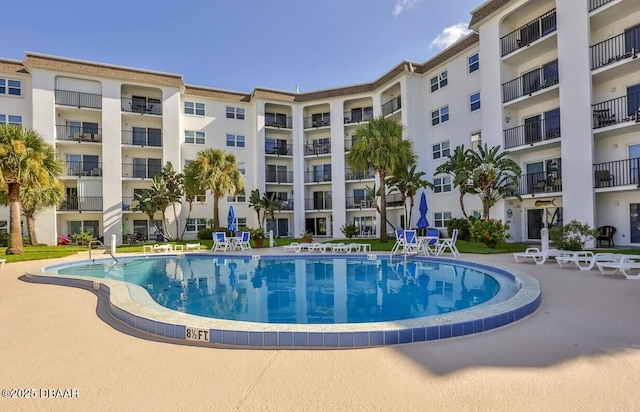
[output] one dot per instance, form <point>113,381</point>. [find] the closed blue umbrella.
<point>423,223</point>
<point>231,220</point>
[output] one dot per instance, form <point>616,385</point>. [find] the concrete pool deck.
<point>579,351</point>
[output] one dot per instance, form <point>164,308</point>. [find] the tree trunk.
<point>464,212</point>
<point>216,220</point>
<point>184,229</point>
<point>15,229</point>
<point>383,207</point>
<point>31,228</point>
<point>175,216</point>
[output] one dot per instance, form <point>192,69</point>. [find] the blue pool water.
<point>305,290</point>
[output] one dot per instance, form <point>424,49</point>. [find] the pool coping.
<point>133,306</point>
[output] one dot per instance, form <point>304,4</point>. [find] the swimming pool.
<point>307,301</point>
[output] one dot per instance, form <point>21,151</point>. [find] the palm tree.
<point>218,172</point>
<point>493,175</point>
<point>192,189</point>
<point>460,169</point>
<point>271,204</point>
<point>408,182</point>
<point>174,183</point>
<point>256,203</point>
<point>25,158</point>
<point>380,144</point>
<point>34,200</point>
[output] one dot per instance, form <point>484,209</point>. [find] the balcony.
<point>140,171</point>
<point>78,99</point>
<point>317,149</point>
<point>287,205</point>
<point>278,121</point>
<point>533,132</point>
<point>272,176</point>
<point>141,105</point>
<point>79,134</point>
<point>531,82</point>
<point>594,4</point>
<point>353,175</point>
<point>394,200</point>
<point>391,106</point>
<point>317,177</point>
<point>355,116</point>
<point>525,35</point>
<point>539,182</point>
<point>316,121</point>
<point>617,173</point>
<point>82,168</point>
<point>82,204</point>
<point>358,203</point>
<point>129,204</point>
<point>621,47</point>
<point>614,111</point>
<point>279,148</point>
<point>143,137</point>
<point>317,204</point>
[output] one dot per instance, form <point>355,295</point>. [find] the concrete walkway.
<point>579,351</point>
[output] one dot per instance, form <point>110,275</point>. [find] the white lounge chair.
<point>338,247</point>
<point>540,257</point>
<point>585,259</point>
<point>293,247</point>
<point>623,267</point>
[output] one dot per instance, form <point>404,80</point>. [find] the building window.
<point>440,116</point>
<point>474,101</point>
<point>242,167</point>
<point>239,197</point>
<point>477,214</point>
<point>191,136</point>
<point>440,150</point>
<point>442,184</point>
<point>235,140</point>
<point>235,113</point>
<point>4,227</point>
<point>241,222</point>
<point>439,81</point>
<point>441,219</point>
<point>474,63</point>
<point>476,140</point>
<point>11,119</point>
<point>193,225</point>
<point>11,87</point>
<point>194,108</point>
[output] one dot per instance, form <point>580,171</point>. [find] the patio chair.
<point>539,257</point>
<point>293,247</point>
<point>586,260</point>
<point>603,118</point>
<point>220,241</point>
<point>411,245</point>
<point>623,267</point>
<point>448,243</point>
<point>606,234</point>
<point>399,241</point>
<point>243,242</point>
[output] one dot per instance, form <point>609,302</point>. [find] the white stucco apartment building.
<point>555,83</point>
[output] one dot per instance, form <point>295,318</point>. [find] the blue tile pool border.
<point>129,305</point>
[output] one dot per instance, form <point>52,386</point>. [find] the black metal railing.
<point>358,115</point>
<point>349,142</point>
<point>78,99</point>
<point>148,137</point>
<point>281,149</point>
<point>539,182</point>
<point>318,204</point>
<point>529,133</point>
<point>350,174</point>
<point>594,4</point>
<point>82,203</point>
<point>140,171</point>
<point>277,176</point>
<point>316,121</point>
<point>531,82</point>
<point>141,105</point>
<point>278,122</point>
<point>391,106</point>
<point>317,149</point>
<point>525,35</point>
<point>620,109</point>
<point>317,176</point>
<point>620,47</point>
<point>617,173</point>
<point>82,168</point>
<point>359,202</point>
<point>287,204</point>
<point>78,133</point>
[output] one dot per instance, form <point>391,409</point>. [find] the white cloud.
<point>450,35</point>
<point>402,5</point>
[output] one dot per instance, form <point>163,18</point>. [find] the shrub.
<point>572,236</point>
<point>4,240</point>
<point>205,233</point>
<point>490,232</point>
<point>82,238</point>
<point>463,228</point>
<point>349,230</point>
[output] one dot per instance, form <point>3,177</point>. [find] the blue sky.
<point>242,44</point>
